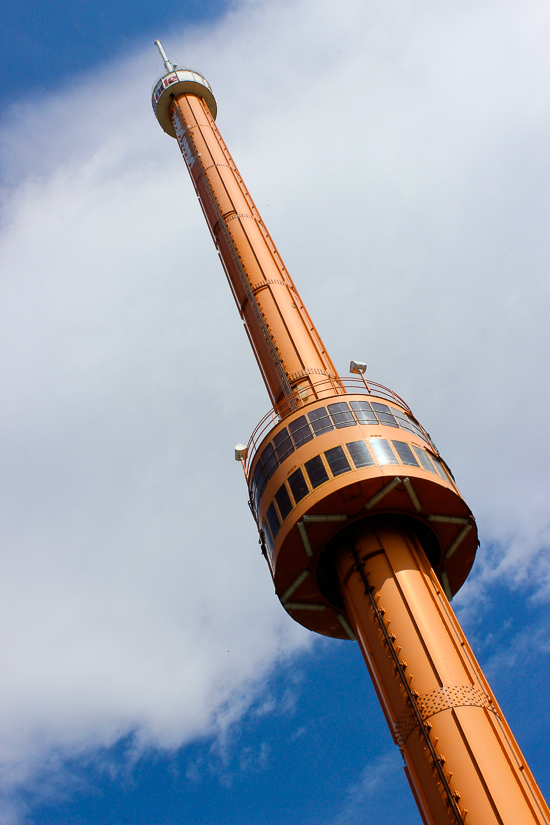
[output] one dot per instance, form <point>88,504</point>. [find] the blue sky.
<point>398,154</point>
<point>60,39</point>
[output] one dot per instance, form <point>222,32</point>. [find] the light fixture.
<point>241,452</point>
<point>358,367</point>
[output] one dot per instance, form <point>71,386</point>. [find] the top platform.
<point>175,83</point>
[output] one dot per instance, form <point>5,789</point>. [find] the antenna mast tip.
<point>167,65</point>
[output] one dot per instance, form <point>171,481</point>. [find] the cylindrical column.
<point>461,758</point>
<point>290,353</point>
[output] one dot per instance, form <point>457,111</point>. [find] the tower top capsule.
<point>178,81</point>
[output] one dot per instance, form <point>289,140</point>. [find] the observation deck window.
<point>439,467</point>
<point>269,461</point>
<point>320,421</point>
<point>424,459</point>
<point>300,431</point>
<point>283,501</point>
<point>360,454</point>
<point>273,520</point>
<point>283,445</point>
<point>417,429</point>
<point>383,451</point>
<point>337,461</point>
<point>404,421</point>
<point>258,484</point>
<point>268,538</point>
<point>386,452</point>
<point>341,414</point>
<point>384,414</point>
<point>298,485</point>
<point>405,453</point>
<point>363,412</point>
<point>407,423</point>
<point>316,471</point>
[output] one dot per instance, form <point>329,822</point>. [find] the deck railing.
<point>352,385</point>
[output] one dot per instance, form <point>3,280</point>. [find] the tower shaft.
<point>458,749</point>
<point>289,351</point>
<point>364,529</point>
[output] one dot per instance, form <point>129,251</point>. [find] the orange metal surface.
<point>482,770</point>
<point>366,548</point>
<point>289,351</point>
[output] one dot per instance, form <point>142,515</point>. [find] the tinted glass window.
<point>341,414</point>
<point>320,421</point>
<point>273,520</point>
<point>298,485</point>
<point>360,453</point>
<point>258,485</point>
<point>316,471</point>
<point>300,431</point>
<point>405,453</point>
<point>383,451</point>
<point>337,461</point>
<point>283,500</point>
<point>415,427</point>
<point>269,460</point>
<point>283,445</point>
<point>424,459</point>
<point>384,414</point>
<point>440,469</point>
<point>403,420</point>
<point>363,412</point>
<point>268,539</point>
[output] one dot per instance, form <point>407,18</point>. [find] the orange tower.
<point>364,530</point>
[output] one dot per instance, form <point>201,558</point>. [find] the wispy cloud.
<point>374,776</point>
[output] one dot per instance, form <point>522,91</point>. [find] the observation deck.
<point>335,459</point>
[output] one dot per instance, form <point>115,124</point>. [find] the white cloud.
<point>399,156</point>
<point>375,779</point>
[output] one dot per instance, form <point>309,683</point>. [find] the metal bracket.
<point>446,586</point>
<point>459,539</point>
<point>294,586</point>
<point>461,536</point>
<point>383,493</point>
<point>312,520</point>
<point>343,621</point>
<point>412,495</point>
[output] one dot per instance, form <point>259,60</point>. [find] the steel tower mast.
<point>364,530</point>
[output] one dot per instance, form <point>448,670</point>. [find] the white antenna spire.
<point>167,65</point>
